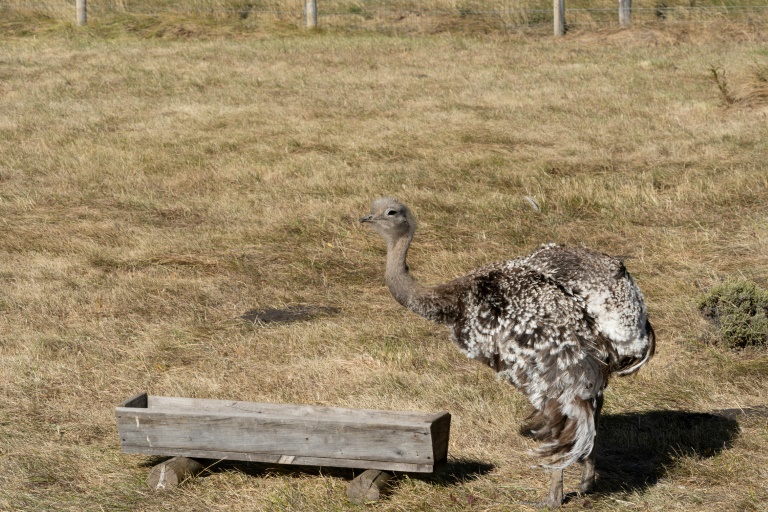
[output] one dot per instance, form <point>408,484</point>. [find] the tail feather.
<point>566,426</point>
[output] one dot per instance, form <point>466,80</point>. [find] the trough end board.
<point>440,434</point>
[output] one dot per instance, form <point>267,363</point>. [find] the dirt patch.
<point>288,315</point>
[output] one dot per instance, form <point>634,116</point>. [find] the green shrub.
<point>740,311</point>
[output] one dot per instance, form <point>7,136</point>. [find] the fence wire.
<point>409,15</point>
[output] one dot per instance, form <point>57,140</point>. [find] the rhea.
<point>556,324</point>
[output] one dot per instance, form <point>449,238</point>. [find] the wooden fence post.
<point>81,12</point>
<point>559,8</point>
<point>310,13</point>
<point>625,13</point>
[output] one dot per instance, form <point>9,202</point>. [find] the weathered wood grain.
<point>440,430</point>
<point>284,433</point>
<point>289,459</point>
<point>163,403</point>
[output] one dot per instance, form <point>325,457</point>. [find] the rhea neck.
<point>422,300</point>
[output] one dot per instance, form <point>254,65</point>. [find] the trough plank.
<point>279,436</point>
<point>198,405</point>
<point>292,460</point>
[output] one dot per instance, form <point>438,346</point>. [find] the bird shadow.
<point>635,450</point>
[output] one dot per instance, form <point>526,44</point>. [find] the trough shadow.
<point>633,451</point>
<point>257,469</point>
<point>262,469</point>
<point>456,471</point>
<point>153,460</point>
<point>451,473</point>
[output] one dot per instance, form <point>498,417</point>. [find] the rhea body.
<point>555,324</point>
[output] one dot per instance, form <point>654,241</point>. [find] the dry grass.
<point>154,190</point>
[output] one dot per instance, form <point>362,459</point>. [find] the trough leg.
<point>368,486</point>
<point>172,472</point>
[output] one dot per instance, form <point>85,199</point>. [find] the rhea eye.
<point>391,212</point>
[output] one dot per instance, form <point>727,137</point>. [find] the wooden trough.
<point>282,434</point>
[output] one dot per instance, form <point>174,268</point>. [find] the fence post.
<point>559,7</point>
<point>310,13</point>
<point>625,13</point>
<point>81,12</point>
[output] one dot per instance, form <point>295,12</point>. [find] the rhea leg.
<point>555,498</point>
<point>588,472</point>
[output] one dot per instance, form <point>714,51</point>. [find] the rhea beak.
<point>367,218</point>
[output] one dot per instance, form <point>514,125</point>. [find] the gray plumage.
<point>555,324</point>
<point>611,297</point>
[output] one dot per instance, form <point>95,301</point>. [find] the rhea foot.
<point>555,496</point>
<point>588,475</point>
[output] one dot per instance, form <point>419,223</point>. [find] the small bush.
<point>740,311</point>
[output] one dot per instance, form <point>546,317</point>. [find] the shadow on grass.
<point>635,450</point>
<point>453,472</point>
<point>258,469</point>
<point>456,471</point>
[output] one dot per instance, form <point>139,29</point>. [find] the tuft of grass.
<point>718,76</point>
<point>756,88</point>
<point>750,92</point>
<point>740,311</point>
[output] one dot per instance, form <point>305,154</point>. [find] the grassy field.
<point>154,189</point>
